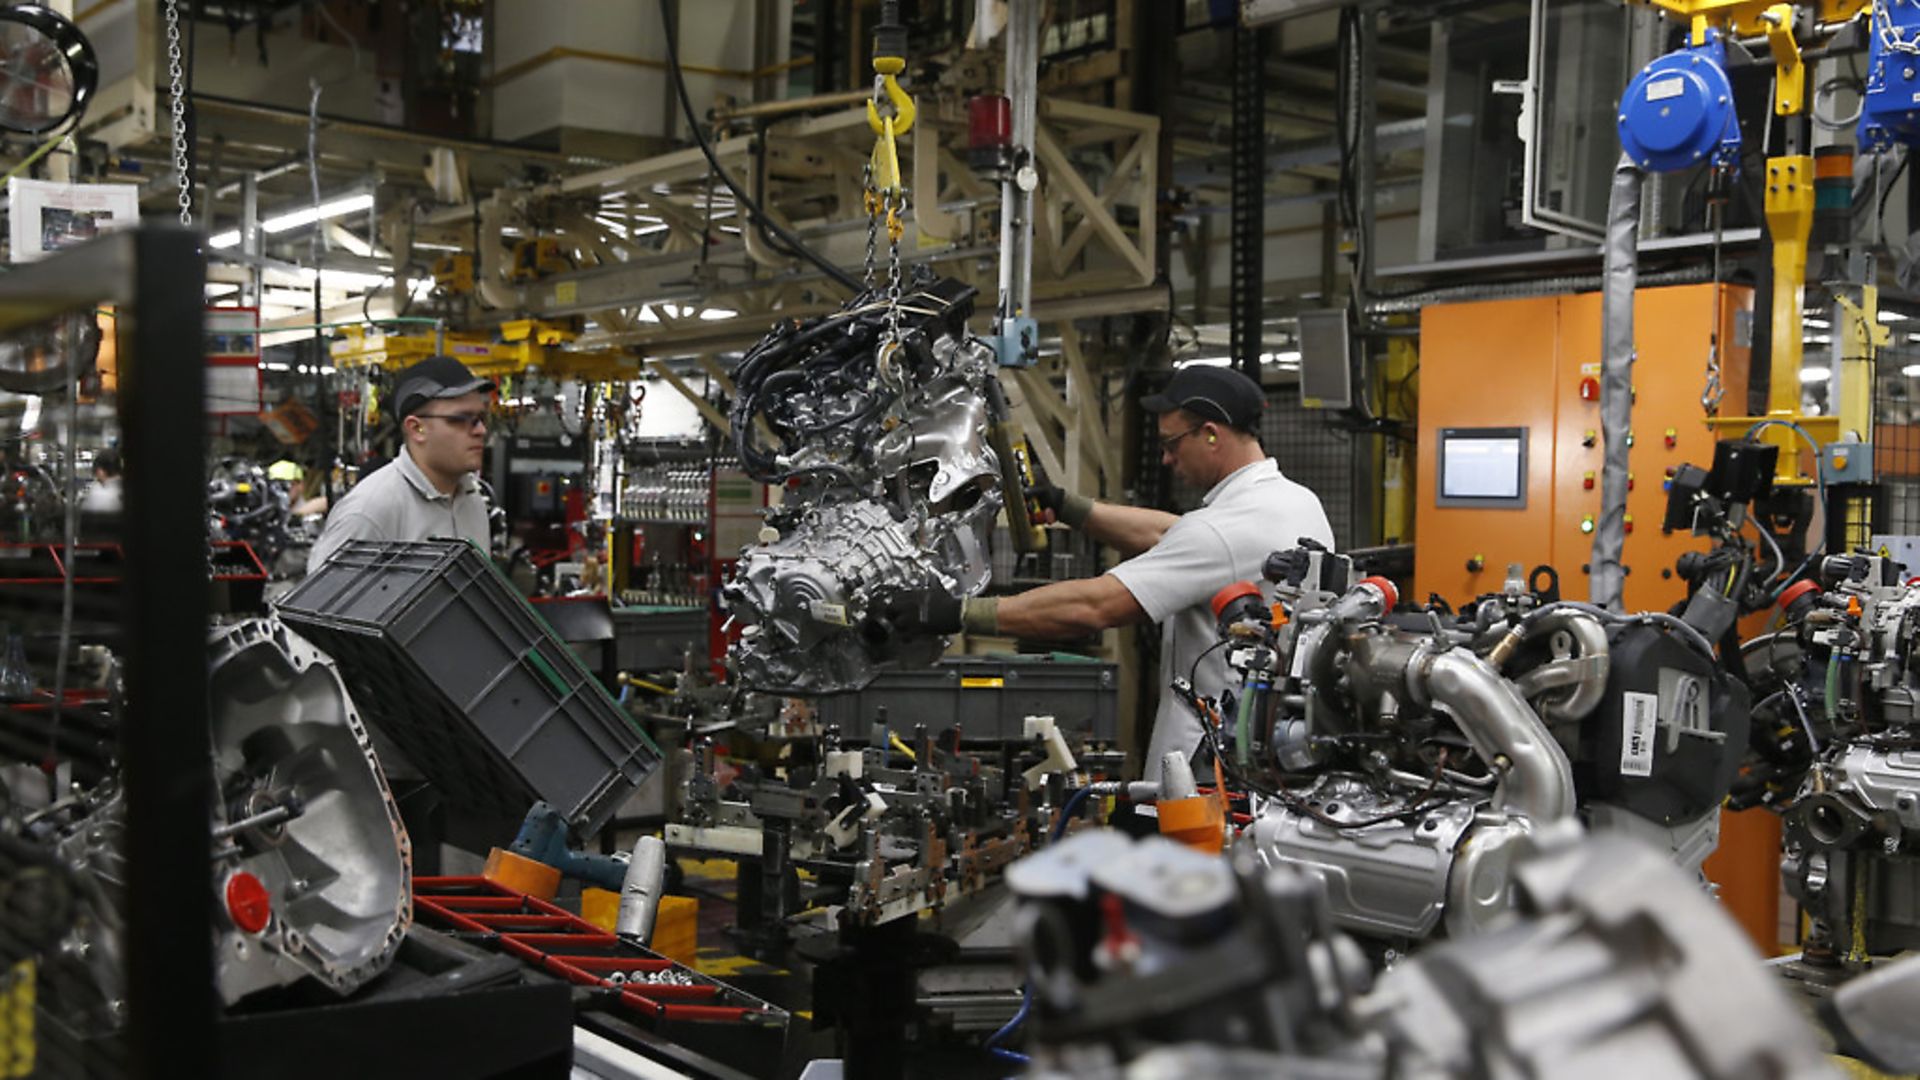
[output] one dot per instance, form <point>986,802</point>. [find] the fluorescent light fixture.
<point>1911,371</point>
<point>307,215</point>
<point>1818,324</point>
<point>1204,361</point>
<point>1817,339</point>
<point>1815,374</point>
<point>1289,358</point>
<point>344,280</point>
<point>717,314</point>
<point>1892,316</point>
<point>291,298</point>
<point>224,240</point>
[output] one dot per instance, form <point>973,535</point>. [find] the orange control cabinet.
<point>1534,364</point>
<point>1526,363</point>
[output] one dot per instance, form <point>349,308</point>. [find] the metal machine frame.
<point>152,277</point>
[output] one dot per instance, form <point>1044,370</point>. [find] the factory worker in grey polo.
<point>431,488</point>
<point>1208,420</point>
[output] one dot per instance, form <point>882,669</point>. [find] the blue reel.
<point>1678,112</point>
<point>1890,108</point>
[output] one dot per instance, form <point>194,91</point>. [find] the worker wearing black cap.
<point>1208,420</point>
<point>431,488</point>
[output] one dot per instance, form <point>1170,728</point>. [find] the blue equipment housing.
<point>1890,109</point>
<point>1678,112</point>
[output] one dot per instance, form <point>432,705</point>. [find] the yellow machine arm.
<point>1789,203</point>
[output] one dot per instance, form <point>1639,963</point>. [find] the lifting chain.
<point>888,207</point>
<point>182,167</point>
<point>896,208</point>
<point>873,223</point>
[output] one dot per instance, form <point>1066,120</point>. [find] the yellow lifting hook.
<point>889,127</point>
<point>889,60</point>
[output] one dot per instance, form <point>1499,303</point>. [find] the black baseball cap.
<point>1214,393</point>
<point>433,379</point>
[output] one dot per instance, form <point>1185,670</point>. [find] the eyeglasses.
<point>1168,442</point>
<point>468,420</point>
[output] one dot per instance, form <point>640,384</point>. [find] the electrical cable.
<point>1067,810</point>
<point>1685,632</point>
<point>70,536</point>
<point>1886,191</point>
<point>1779,560</point>
<point>1194,671</point>
<point>28,161</point>
<point>1019,1017</point>
<point>1792,694</point>
<point>1820,484</point>
<point>671,24</point>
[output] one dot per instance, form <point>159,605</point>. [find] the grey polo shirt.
<point>398,502</point>
<point>1251,513</point>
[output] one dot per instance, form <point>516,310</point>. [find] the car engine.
<point>1837,753</point>
<point>1401,757</point>
<point>880,443</point>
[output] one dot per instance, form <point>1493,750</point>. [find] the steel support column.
<point>1248,185</point>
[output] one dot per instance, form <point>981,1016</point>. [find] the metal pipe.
<point>753,232</point>
<point>759,109</point>
<point>1616,379</point>
<point>486,276</point>
<point>1016,191</point>
<point>1412,302</point>
<point>250,240</point>
<point>226,191</point>
<point>1589,635</point>
<point>1501,726</point>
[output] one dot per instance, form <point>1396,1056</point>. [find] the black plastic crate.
<point>469,682</point>
<point>659,638</point>
<point>989,697</point>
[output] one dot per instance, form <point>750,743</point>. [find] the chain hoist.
<point>182,167</point>
<point>890,113</point>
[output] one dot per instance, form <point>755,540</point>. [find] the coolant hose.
<point>1249,702</point>
<point>1618,277</point>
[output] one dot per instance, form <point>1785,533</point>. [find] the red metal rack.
<point>557,941</point>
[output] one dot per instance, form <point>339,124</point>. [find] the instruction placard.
<point>44,216</point>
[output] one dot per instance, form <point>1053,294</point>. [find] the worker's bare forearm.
<point>1068,609</point>
<point>1129,530</point>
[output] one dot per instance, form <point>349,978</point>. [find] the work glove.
<point>931,610</point>
<point>1052,503</point>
